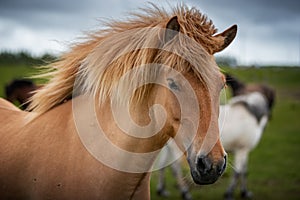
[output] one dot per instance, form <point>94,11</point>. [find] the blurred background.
<point>266,50</point>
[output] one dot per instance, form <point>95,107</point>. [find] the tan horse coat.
<point>41,154</point>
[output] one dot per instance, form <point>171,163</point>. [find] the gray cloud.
<point>264,24</point>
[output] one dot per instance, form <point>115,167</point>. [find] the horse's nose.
<point>208,171</point>
<point>204,165</point>
<point>221,166</point>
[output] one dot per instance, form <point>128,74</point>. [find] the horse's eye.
<point>172,84</point>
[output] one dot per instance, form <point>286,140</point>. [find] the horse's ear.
<point>172,29</point>
<point>227,36</point>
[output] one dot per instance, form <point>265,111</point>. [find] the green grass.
<point>274,166</point>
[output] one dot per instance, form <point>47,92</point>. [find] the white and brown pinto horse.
<point>245,118</point>
<point>44,154</point>
<point>239,88</point>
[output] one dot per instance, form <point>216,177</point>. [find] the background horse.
<point>250,114</point>
<point>246,116</point>
<point>239,88</point>
<point>19,91</point>
<point>100,143</point>
<point>245,119</point>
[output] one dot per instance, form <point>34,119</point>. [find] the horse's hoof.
<point>163,193</point>
<point>186,196</point>
<point>228,196</point>
<point>246,194</point>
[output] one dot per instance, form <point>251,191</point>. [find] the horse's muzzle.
<point>206,172</point>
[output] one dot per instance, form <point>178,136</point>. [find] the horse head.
<point>191,100</point>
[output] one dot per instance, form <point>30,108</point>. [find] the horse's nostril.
<point>222,166</point>
<point>204,165</point>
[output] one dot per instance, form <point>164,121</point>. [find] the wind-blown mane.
<point>98,63</point>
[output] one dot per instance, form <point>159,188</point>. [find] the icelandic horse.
<point>112,102</point>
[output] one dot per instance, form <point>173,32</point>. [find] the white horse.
<point>245,119</point>
<point>242,122</point>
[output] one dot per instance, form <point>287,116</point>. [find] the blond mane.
<point>98,63</point>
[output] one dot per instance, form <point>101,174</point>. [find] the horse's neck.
<point>114,184</point>
<point>99,175</point>
<point>132,136</point>
<point>138,129</point>
<point>112,145</point>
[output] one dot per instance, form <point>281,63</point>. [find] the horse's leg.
<point>230,190</point>
<point>161,187</point>
<point>176,169</point>
<point>244,191</point>
<point>240,158</point>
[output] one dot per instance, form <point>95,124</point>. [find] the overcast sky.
<point>269,30</point>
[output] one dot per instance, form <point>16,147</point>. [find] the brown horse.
<point>112,103</point>
<point>20,91</point>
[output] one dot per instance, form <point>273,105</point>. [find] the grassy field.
<point>274,165</point>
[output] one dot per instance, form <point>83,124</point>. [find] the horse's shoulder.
<point>6,105</point>
<point>10,114</point>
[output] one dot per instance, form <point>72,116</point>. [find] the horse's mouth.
<point>204,172</point>
<point>204,179</point>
